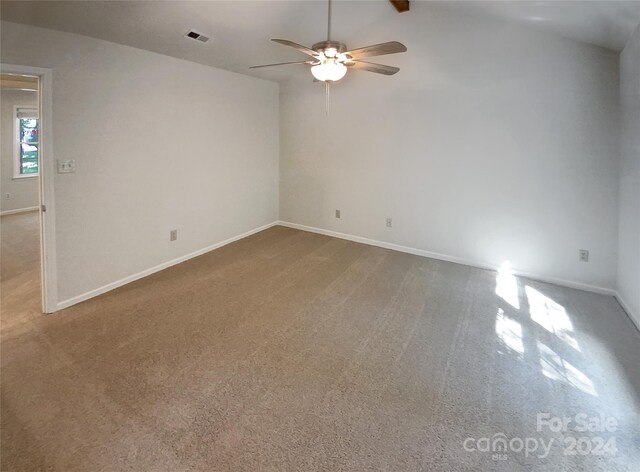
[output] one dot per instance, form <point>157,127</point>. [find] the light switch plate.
<point>66,166</point>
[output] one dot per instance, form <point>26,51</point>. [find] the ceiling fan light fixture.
<point>330,52</point>
<point>329,70</point>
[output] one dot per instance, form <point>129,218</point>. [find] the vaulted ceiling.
<point>240,30</point>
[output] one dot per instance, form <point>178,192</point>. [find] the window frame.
<point>17,165</point>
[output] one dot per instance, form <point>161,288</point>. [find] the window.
<point>27,142</point>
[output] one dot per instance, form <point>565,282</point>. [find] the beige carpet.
<point>20,295</point>
<point>291,351</point>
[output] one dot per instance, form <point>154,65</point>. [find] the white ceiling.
<point>604,23</point>
<point>240,30</point>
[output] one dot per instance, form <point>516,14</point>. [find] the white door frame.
<point>46,169</point>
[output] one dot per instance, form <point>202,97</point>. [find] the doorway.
<point>27,259</point>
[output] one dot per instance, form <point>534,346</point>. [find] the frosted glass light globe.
<point>329,70</point>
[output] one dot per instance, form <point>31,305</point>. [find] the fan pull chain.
<point>326,84</point>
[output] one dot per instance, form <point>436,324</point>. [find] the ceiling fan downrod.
<point>329,23</point>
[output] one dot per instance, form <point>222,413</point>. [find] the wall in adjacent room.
<point>629,232</point>
<point>23,192</point>
<point>159,144</point>
<point>493,143</point>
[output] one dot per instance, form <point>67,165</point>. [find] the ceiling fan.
<point>331,59</point>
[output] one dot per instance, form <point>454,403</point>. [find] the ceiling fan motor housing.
<point>323,46</point>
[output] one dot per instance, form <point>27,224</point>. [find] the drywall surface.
<point>23,192</point>
<point>629,232</point>
<point>493,143</point>
<point>159,144</point>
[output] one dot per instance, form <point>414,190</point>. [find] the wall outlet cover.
<point>66,166</point>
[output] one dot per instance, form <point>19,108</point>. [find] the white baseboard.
<point>635,319</point>
<point>359,239</point>
<point>19,210</point>
<point>445,257</point>
<point>119,283</point>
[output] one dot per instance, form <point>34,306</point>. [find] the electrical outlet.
<point>584,255</point>
<point>337,213</point>
<point>66,166</point>
<point>389,222</point>
<point>173,235</point>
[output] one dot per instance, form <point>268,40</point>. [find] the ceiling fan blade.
<point>392,47</point>
<point>281,64</point>
<point>297,46</point>
<point>371,67</point>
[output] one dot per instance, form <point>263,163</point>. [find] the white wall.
<point>493,143</point>
<point>159,143</point>
<point>629,233</point>
<point>23,193</point>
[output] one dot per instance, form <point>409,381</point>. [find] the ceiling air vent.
<point>197,36</point>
